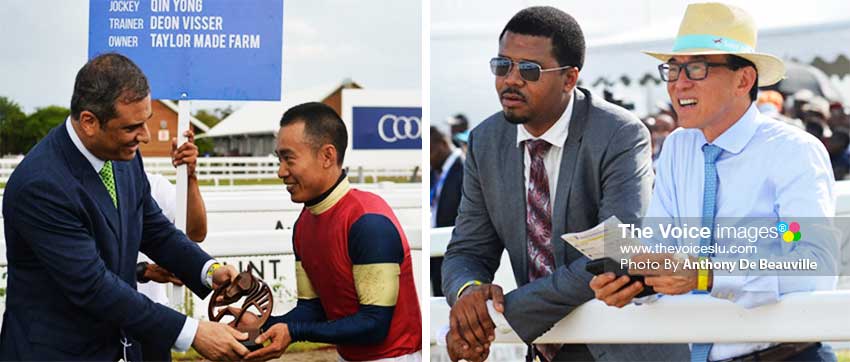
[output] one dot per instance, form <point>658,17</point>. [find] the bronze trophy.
<point>257,295</point>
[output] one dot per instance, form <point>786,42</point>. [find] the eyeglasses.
<point>695,70</point>
<point>530,71</point>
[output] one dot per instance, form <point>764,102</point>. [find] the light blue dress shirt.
<point>767,170</point>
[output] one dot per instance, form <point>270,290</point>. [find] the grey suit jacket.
<point>606,169</point>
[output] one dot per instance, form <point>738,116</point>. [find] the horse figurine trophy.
<point>258,297</point>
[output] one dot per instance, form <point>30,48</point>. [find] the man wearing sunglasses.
<point>555,159</point>
<point>728,161</point>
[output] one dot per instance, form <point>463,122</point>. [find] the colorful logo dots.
<point>790,233</point>
<point>794,227</point>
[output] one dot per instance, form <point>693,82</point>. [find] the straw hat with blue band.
<point>715,28</point>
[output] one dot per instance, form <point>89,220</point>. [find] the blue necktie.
<point>699,351</point>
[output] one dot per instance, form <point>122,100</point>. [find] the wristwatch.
<point>141,267</point>
<point>702,278</point>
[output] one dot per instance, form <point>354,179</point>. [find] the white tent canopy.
<point>264,117</point>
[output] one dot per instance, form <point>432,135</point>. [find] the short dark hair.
<point>546,21</point>
<point>736,62</point>
<point>104,80</point>
<point>322,125</point>
<point>437,136</point>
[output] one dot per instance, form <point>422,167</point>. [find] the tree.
<point>40,122</point>
<point>206,146</point>
<point>19,132</point>
<point>223,113</point>
<point>11,118</point>
<point>207,118</point>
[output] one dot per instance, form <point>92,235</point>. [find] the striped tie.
<point>538,224</point>
<point>109,181</point>
<point>700,351</point>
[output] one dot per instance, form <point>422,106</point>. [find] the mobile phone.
<point>604,265</point>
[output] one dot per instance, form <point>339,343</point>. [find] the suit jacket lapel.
<point>90,180</point>
<point>515,181</point>
<point>124,203</point>
<point>560,210</point>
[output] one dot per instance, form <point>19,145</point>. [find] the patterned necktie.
<point>700,351</point>
<point>538,226</point>
<point>109,181</point>
<point>538,220</point>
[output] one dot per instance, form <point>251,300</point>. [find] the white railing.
<point>253,224</point>
<point>257,220</point>
<point>440,240</point>
<point>798,317</point>
<point>219,169</point>
<point>7,165</point>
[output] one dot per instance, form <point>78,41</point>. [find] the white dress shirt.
<point>557,137</point>
<point>165,195</point>
<point>190,326</point>
<point>767,169</point>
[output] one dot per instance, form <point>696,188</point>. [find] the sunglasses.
<point>530,71</point>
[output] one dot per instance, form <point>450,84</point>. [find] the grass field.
<point>843,355</point>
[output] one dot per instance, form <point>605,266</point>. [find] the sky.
<point>464,36</point>
<point>376,43</point>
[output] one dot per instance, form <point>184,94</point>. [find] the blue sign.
<point>385,128</point>
<point>195,49</point>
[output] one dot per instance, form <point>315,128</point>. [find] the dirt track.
<point>317,355</point>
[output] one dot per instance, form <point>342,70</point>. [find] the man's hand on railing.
<point>609,289</point>
<point>454,343</point>
<point>470,320</point>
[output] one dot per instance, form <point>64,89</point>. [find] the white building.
<point>250,130</point>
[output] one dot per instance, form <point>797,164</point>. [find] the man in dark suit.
<point>556,159</point>
<point>446,181</point>
<point>77,212</point>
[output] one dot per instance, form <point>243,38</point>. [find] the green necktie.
<point>109,181</point>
